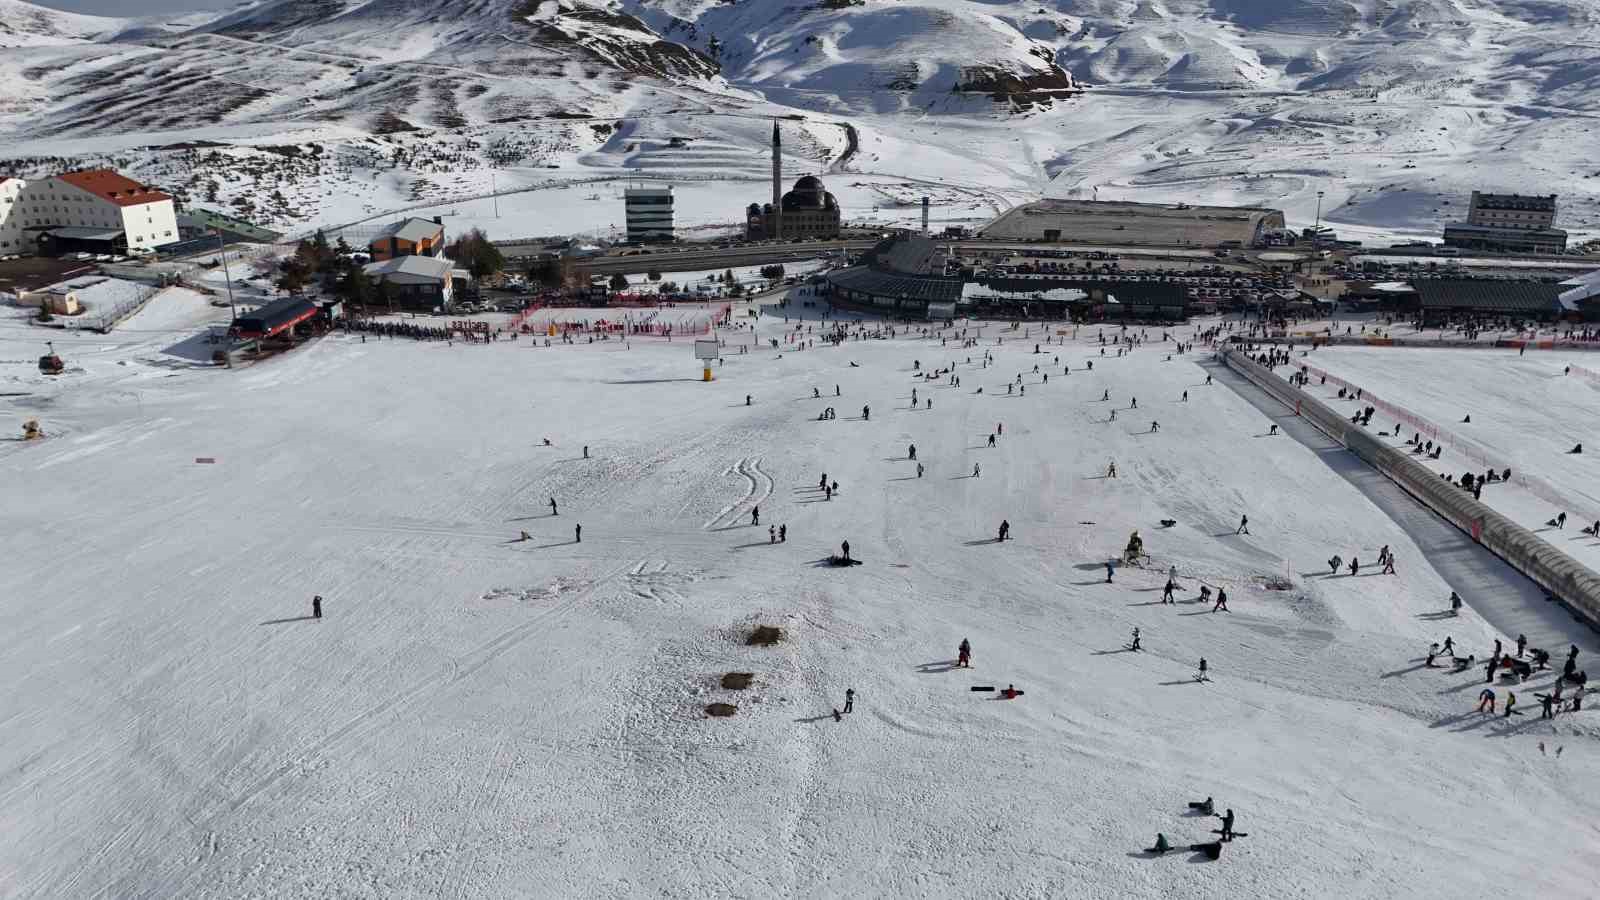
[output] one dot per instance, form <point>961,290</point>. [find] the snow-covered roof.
<point>411,229</point>
<point>436,267</point>
<point>1579,289</point>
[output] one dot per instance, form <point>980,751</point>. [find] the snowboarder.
<point>1011,692</point>
<point>964,654</point>
<point>783,533</point>
<point>1449,646</point>
<point>1166,593</point>
<point>1244,525</point>
<point>1561,520</point>
<point>1111,470</point>
<point>1227,825</point>
<point>1005,530</point>
<point>577,534</point>
<point>1135,404</point>
<point>1333,565</point>
<point>1154,426</point>
<point>1186,396</point>
<point>553,510</point>
<point>1135,645</point>
<point>845,546</point>
<point>1455,602</point>
<point>911,451</point>
<point>1272,429</point>
<point>1106,395</point>
<point>1486,699</point>
<point>991,440</point>
<point>976,471</point>
<point>849,700</point>
<point>755,515</point>
<point>316,606</point>
<point>866,413</point>
<point>1202,675</point>
<point>1355,565</point>
<point>1222,601</point>
<point>1511,701</point>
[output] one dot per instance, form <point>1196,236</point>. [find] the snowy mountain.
<point>1393,108</point>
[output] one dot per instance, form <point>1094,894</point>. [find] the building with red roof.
<point>91,207</point>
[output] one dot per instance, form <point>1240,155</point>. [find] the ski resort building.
<point>1116,222</point>
<point>805,211</point>
<point>649,214</point>
<point>1508,223</point>
<point>904,274</point>
<point>92,209</point>
<point>410,237</point>
<point>1441,299</point>
<point>421,283</point>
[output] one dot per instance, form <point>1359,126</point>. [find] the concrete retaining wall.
<point>1557,573</point>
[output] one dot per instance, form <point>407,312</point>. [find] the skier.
<point>553,510</point>
<point>845,546</point>
<point>866,413</point>
<point>1355,566</point>
<point>911,451</point>
<point>1455,602</point>
<point>316,606</point>
<point>1522,644</point>
<point>1154,426</point>
<point>783,533</point>
<point>772,534</point>
<point>1111,470</point>
<point>1449,646</point>
<point>1511,701</point>
<point>755,515</point>
<point>964,654</point>
<point>823,483</point>
<point>577,534</point>
<point>1388,565</point>
<point>849,699</point>
<point>991,440</point>
<point>1135,645</point>
<point>1486,699</point>
<point>746,399</point>
<point>1113,415</point>
<point>1186,396</point>
<point>1244,525</point>
<point>1110,569</point>
<point>919,470</point>
<point>1222,601</point>
<point>816,394</point>
<point>1166,593</point>
<point>1135,404</point>
<point>975,470</point>
<point>524,536</point>
<point>1202,675</point>
<point>1106,395</point>
<point>1333,565</point>
<point>1208,379</point>
<point>1000,428</point>
<point>1005,529</point>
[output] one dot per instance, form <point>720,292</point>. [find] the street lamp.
<point>1316,230</point>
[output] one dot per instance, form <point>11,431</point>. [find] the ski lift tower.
<point>705,350</point>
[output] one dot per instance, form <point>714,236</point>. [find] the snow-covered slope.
<point>26,25</point>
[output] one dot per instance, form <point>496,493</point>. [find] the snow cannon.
<point>31,430</point>
<point>50,363</point>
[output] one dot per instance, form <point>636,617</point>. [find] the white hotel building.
<point>87,205</point>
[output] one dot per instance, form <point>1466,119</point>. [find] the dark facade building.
<point>1443,299</point>
<point>806,211</point>
<point>1508,223</point>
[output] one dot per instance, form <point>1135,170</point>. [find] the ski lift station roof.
<point>1117,222</point>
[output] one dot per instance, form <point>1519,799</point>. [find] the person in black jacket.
<point>1227,825</point>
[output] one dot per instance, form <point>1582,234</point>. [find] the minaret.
<point>776,221</point>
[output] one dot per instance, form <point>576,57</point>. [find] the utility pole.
<point>495,191</point>
<point>1317,228</point>
<point>222,251</point>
